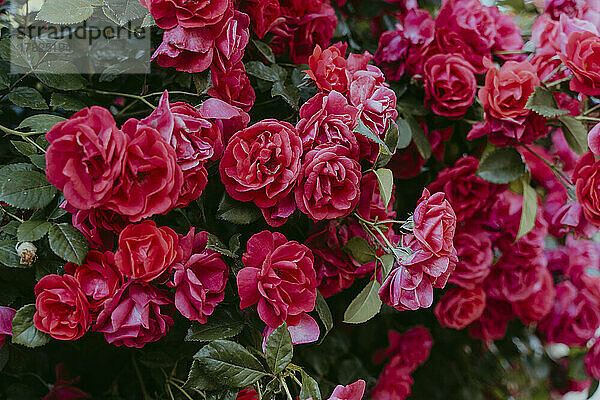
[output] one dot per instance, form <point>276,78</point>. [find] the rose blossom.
<point>594,140</point>
<point>187,50</point>
<point>262,162</point>
<point>435,223</point>
<point>328,69</point>
<point>582,57</point>
<point>133,316</point>
<point>6,316</point>
<point>328,185</point>
<point>98,277</point>
<point>196,14</point>
<point>492,323</point>
<point>199,278</point>
<point>98,225</point>
<point>62,309</point>
<point>313,28</point>
<point>460,307</point>
<point>231,43</point>
<point>537,305</point>
<point>232,86</point>
<point>278,275</point>
<point>247,394</point>
<point>263,14</point>
<point>227,117</point>
<point>353,391</point>
<point>450,85</point>
<point>85,157</point>
<point>474,251</point>
<point>371,205</point>
<point>592,361</point>
<point>151,179</point>
<point>587,184</point>
<point>328,119</point>
<point>508,35</point>
<point>146,251</point>
<point>412,347</point>
<point>63,388</point>
<point>394,382</point>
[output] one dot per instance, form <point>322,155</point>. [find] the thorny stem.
<point>11,215</point>
<point>583,118</point>
<point>22,134</point>
<point>285,387</point>
<point>558,82</point>
<point>591,110</point>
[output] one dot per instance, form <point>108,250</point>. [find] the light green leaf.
<point>27,97</point>
<point>63,12</point>
<point>40,122</point>
<point>418,136</point>
<point>68,243</point>
<point>279,349</point>
<point>387,264</point>
<point>324,313</point>
<point>237,212</point>
<point>404,134</point>
<point>359,250</point>
<point>67,102</point>
<point>27,189</point>
<point>30,231</point>
<point>529,210</point>
<point>60,74</point>
<point>309,388</point>
<point>385,178</point>
<point>362,129</point>
<point>502,166</point>
<point>24,148</point>
<point>222,324</point>
<point>123,11</point>
<point>575,134</point>
<point>365,306</point>
<point>148,21</point>
<point>542,101</point>
<point>23,330</point>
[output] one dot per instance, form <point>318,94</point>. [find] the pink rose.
<point>278,275</point>
<point>594,140</point>
<point>63,388</point>
<point>587,184</point>
<point>328,119</point>
<point>230,119</point>
<point>133,316</point>
<point>151,179</point>
<point>231,43</point>
<point>537,305</point>
<point>371,205</point>
<point>412,347</point>
<point>508,35</point>
<point>353,391</point>
<point>187,50</point>
<point>460,307</point>
<point>394,382</point>
<point>314,28</point>
<point>329,182</point>
<point>328,69</point>
<point>6,316</point>
<point>172,13</point>
<point>450,85</point>
<point>545,34</point>
<point>199,278</point>
<point>581,54</point>
<point>98,225</point>
<point>85,157</point>
<point>493,322</point>
<point>592,361</point>
<point>232,86</point>
<point>435,224</point>
<point>475,257</point>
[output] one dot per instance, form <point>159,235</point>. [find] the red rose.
<point>315,28</point>
<point>460,307</point>
<point>515,278</point>
<point>450,85</point>
<point>62,309</point>
<point>394,382</point>
<point>328,69</point>
<point>538,305</point>
<point>587,184</point>
<point>151,180</point>
<point>329,184</point>
<point>232,86</point>
<point>353,391</point>
<point>63,388</point>
<point>133,316</point>
<point>435,224</point>
<point>98,277</point>
<point>146,251</point>
<point>231,43</point>
<point>85,157</point>
<point>492,323</point>
<point>187,50</point>
<point>466,192</point>
<point>278,274</point>
<point>230,119</point>
<point>261,163</point>
<point>407,288</point>
<point>98,225</point>
<point>247,394</point>
<point>475,257</point>
<point>328,119</point>
<point>594,140</point>
<point>171,13</point>
<point>263,14</point>
<point>199,278</point>
<point>413,347</point>
<point>592,361</point>
<point>6,316</point>
<point>582,57</point>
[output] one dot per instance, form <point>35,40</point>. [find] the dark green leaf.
<point>359,250</point>
<point>404,134</point>
<point>288,92</point>
<point>197,379</point>
<point>265,50</point>
<point>385,178</point>
<point>279,349</point>
<point>8,255</point>
<point>68,243</point>
<point>387,263</point>
<point>593,388</point>
<point>4,81</point>
<point>309,388</point>
<point>27,97</point>
<point>418,136</point>
<point>213,243</point>
<point>365,306</point>
<point>528,211</point>
<point>220,325</point>
<point>237,212</point>
<point>60,75</point>
<point>40,122</point>
<point>229,364</point>
<point>30,231</point>
<point>23,330</point>
<point>65,11</point>
<point>324,313</point>
<point>272,389</point>
<point>575,134</point>
<point>24,148</point>
<point>369,134</point>
<point>261,71</point>
<point>542,101</point>
<point>68,102</point>
<point>39,160</point>
<point>27,189</point>
<point>502,166</point>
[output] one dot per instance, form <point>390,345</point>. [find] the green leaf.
<point>8,255</point>
<point>23,330</point>
<point>222,324</point>
<point>279,349</point>
<point>4,81</point>
<point>387,264</point>
<point>27,189</point>
<point>229,364</point>
<point>262,71</point>
<point>265,50</point>
<point>237,212</point>
<point>68,243</point>
<point>369,134</point>
<point>385,178</point>
<point>67,102</point>
<point>542,101</point>
<point>309,388</point>
<point>27,97</point>
<point>575,134</point>
<point>593,388</point>
<point>123,11</point>
<point>324,313</point>
<point>39,160</point>
<point>404,134</point>
<point>528,211</point>
<point>288,92</point>
<point>202,81</point>
<point>359,250</point>
<point>62,12</point>
<point>8,169</point>
<point>365,306</point>
<point>502,166</point>
<point>40,122</point>
<point>24,148</point>
<point>418,136</point>
<point>198,380</point>
<point>272,389</point>
<point>213,243</point>
<point>30,231</point>
<point>60,74</point>
<point>148,21</point>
